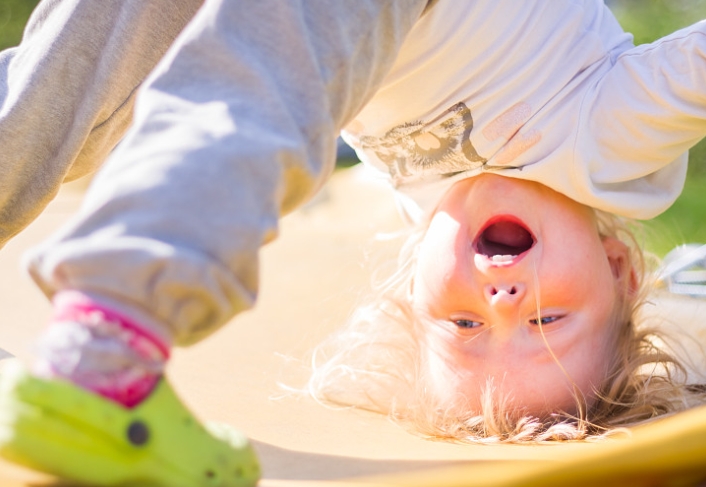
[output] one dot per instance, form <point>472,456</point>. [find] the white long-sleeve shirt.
<point>552,92</point>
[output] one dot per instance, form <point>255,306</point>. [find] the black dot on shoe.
<point>137,433</point>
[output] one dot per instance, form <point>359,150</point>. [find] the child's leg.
<point>236,126</point>
<point>66,97</point>
<point>67,92</point>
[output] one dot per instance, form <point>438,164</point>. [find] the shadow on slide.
<point>284,464</point>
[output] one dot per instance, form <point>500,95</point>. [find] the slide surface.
<point>245,373</point>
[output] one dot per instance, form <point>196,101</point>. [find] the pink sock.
<point>101,350</point>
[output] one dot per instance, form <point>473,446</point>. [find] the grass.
<point>684,222</point>
<point>13,16</point>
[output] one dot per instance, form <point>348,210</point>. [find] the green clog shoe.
<point>56,427</point>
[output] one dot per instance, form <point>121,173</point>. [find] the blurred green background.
<point>647,19</point>
<point>13,15</point>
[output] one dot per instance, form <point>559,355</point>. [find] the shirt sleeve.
<point>642,118</point>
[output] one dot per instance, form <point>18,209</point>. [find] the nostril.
<point>510,291</point>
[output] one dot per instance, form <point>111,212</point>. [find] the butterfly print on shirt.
<point>441,147</point>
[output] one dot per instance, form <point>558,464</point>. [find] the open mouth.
<point>503,240</point>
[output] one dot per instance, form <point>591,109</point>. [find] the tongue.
<point>504,238</point>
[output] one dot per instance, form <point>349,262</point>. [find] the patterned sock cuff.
<point>101,350</point>
<point>77,307</point>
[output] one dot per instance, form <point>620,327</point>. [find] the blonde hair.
<point>374,363</point>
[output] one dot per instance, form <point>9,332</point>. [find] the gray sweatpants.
<point>234,127</point>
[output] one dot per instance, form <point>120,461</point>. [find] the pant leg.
<point>236,126</point>
<point>67,92</point>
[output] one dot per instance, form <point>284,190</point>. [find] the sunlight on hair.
<point>374,362</point>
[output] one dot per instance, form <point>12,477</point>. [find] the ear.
<point>620,265</point>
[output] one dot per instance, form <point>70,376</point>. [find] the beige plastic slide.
<point>311,276</point>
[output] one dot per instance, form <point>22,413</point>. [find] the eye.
<point>467,323</point>
<point>544,320</point>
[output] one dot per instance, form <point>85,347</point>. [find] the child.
<point>237,125</point>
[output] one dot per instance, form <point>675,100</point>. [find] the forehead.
<point>537,389</point>
<point>529,377</point>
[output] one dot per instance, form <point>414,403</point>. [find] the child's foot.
<point>100,412</point>
<point>56,427</point>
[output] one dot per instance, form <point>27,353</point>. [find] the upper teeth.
<point>502,258</point>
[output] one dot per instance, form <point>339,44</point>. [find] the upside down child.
<point>517,136</point>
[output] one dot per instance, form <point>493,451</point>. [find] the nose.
<point>504,306</point>
<point>502,295</point>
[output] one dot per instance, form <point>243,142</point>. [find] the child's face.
<point>499,255</point>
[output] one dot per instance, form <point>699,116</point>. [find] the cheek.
<point>438,258</point>
<point>441,236</point>
<point>577,271</point>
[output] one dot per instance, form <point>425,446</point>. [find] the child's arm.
<point>236,126</point>
<point>647,111</point>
